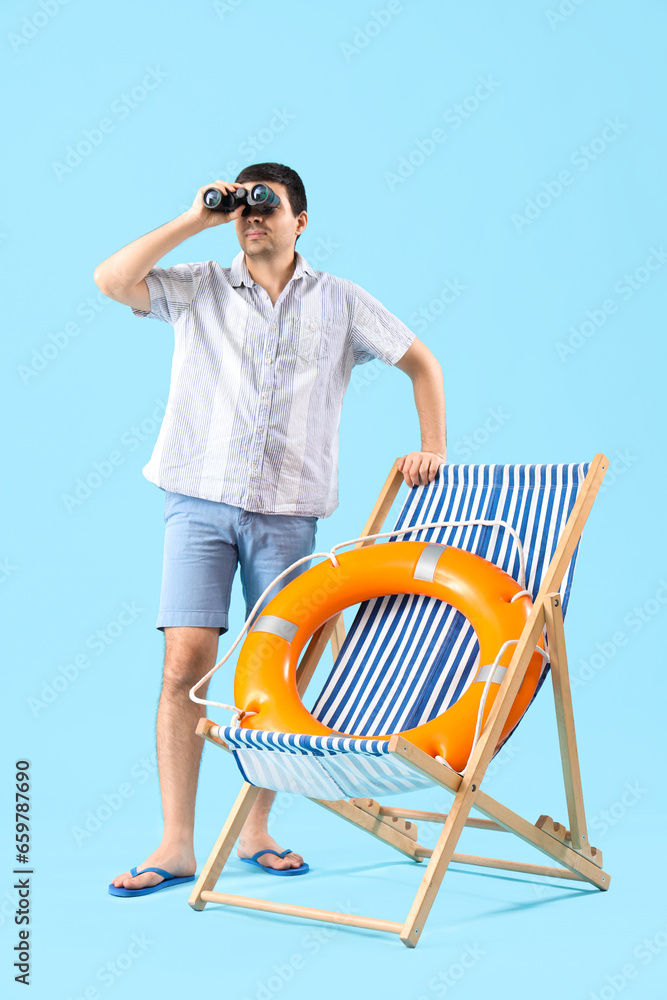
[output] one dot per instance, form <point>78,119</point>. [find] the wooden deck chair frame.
<point>575,857</point>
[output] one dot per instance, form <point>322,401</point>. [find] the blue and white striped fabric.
<point>407,658</point>
<point>329,767</point>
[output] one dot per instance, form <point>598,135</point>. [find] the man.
<point>248,451</point>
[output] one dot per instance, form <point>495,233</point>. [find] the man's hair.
<point>278,172</point>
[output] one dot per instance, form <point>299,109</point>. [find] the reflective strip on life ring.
<point>265,679</point>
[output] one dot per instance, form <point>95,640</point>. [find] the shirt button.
<point>273,326</point>
<point>313,326</point>
<point>259,430</point>
<point>268,361</point>
<point>266,394</point>
<point>254,465</point>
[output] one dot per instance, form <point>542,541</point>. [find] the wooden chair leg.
<point>565,719</point>
<point>442,854</point>
<point>224,844</point>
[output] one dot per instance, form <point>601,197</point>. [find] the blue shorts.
<point>204,541</point>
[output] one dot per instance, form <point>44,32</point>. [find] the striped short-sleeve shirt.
<point>256,389</point>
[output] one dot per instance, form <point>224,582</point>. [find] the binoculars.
<point>259,196</point>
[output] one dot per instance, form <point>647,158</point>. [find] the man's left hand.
<point>419,467</point>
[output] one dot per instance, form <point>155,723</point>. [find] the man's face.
<point>271,234</point>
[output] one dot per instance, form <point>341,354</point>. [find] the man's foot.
<point>250,844</point>
<point>178,863</point>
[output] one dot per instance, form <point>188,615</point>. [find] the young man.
<point>248,450</point>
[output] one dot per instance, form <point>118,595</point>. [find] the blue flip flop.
<point>169,880</point>
<point>301,870</point>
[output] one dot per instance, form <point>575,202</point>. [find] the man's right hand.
<point>123,275</point>
<point>204,217</point>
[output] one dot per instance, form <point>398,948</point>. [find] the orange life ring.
<point>265,678</point>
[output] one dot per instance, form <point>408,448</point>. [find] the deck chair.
<point>404,660</point>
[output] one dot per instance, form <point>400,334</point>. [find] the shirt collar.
<point>240,275</point>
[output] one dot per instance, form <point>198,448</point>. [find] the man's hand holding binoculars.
<point>206,217</point>
<point>225,201</point>
<point>122,276</point>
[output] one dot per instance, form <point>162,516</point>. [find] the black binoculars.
<point>259,196</point>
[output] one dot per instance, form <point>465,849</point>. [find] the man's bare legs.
<point>190,652</point>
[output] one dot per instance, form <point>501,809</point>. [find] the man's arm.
<point>423,368</point>
<point>122,276</point>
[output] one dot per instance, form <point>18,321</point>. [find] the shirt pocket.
<point>313,343</point>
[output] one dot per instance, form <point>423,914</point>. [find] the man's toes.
<point>279,862</point>
<point>290,860</point>
<point>120,880</point>
<point>140,881</point>
<point>143,881</point>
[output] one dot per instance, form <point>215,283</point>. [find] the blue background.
<point>535,259</point>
